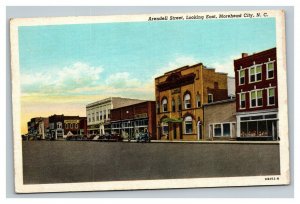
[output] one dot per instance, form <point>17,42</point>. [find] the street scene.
<point>193,103</point>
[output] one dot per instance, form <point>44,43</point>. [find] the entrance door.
<point>199,130</point>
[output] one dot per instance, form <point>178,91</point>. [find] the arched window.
<point>210,98</point>
<point>198,101</point>
<point>173,105</point>
<point>188,124</point>
<point>164,105</point>
<point>187,101</point>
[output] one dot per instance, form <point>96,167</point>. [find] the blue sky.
<point>89,61</point>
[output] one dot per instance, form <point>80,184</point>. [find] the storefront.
<point>258,126</point>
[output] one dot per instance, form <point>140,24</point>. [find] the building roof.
<point>256,54</point>
<point>116,100</point>
<point>220,102</point>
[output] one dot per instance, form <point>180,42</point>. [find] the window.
<point>104,114</point>
<point>242,100</point>
<point>221,130</point>
<point>89,116</point>
<point>256,98</point>
<point>210,98</point>
<point>97,116</point>
<point>173,105</point>
<point>71,125</point>
<point>188,122</point>
<point>76,125</point>
<point>271,96</point>
<point>66,126</point>
<point>255,73</point>
<point>164,105</point>
<point>217,130</point>
<point>100,115</point>
<point>242,77</point>
<point>157,107</point>
<point>198,101</point>
<point>165,128</point>
<point>59,125</point>
<point>270,70</point>
<point>179,103</point>
<point>187,101</point>
<point>108,114</point>
<point>93,117</point>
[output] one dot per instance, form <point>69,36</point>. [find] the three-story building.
<point>257,97</point>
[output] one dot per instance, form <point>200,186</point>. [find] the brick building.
<point>61,126</point>
<point>180,95</point>
<point>98,113</point>
<point>37,127</point>
<point>220,120</point>
<point>133,119</point>
<point>256,91</point>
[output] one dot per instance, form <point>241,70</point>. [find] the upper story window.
<point>198,101</point>
<point>188,123</point>
<point>256,98</point>
<point>76,125</point>
<point>93,117</point>
<point>255,74</point>
<point>179,103</point>
<point>104,114</point>
<point>89,117</point>
<point>59,125</point>
<point>187,101</point>
<point>271,96</point>
<point>242,100</point>
<point>66,126</point>
<point>164,105</point>
<point>97,116</point>
<point>108,114</point>
<point>173,105</point>
<point>100,115</point>
<point>210,98</point>
<point>242,76</point>
<point>270,70</point>
<point>71,125</point>
<point>157,107</point>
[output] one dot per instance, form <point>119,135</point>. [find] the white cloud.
<point>123,80</point>
<point>61,80</point>
<point>225,65</point>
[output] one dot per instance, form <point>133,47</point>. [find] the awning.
<point>172,120</point>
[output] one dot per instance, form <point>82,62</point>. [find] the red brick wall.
<point>259,58</point>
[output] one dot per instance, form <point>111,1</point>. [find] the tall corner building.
<point>180,95</point>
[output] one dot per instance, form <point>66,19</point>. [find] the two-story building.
<point>98,113</point>
<point>37,127</point>
<point>180,95</point>
<point>131,120</point>
<point>257,96</point>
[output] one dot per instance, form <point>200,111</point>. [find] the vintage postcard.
<point>152,101</point>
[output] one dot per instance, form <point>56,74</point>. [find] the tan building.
<point>180,95</point>
<point>220,120</point>
<point>98,113</point>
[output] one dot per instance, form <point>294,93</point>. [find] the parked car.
<point>143,137</point>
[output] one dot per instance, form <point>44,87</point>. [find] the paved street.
<point>82,161</point>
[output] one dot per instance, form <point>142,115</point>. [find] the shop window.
<point>270,70</point>
<point>271,96</point>
<point>173,105</point>
<point>164,105</point>
<point>221,130</point>
<point>242,100</point>
<point>198,101</point>
<point>210,98</point>
<point>242,77</point>
<point>187,101</point>
<point>188,122</point>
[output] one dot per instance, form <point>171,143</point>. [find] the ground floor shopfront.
<point>258,125</point>
<point>131,128</point>
<point>180,129</point>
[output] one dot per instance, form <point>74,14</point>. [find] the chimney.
<point>244,55</point>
